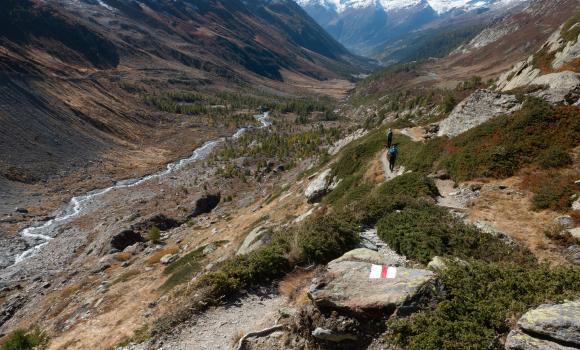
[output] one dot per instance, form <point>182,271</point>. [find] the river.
<point>76,206</point>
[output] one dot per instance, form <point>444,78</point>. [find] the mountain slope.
<point>380,28</point>
<point>73,75</point>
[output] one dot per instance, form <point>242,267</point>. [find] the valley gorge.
<point>216,174</point>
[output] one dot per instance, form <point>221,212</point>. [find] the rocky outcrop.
<point>320,186</point>
<point>476,109</point>
<point>254,240</point>
<point>346,286</point>
<point>124,239</point>
<point>161,221</point>
<point>205,204</point>
<point>548,327</point>
<point>553,83</point>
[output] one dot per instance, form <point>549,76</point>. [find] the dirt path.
<point>389,175</point>
<point>216,328</point>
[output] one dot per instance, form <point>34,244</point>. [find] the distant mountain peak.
<point>439,6</point>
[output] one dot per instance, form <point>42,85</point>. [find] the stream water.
<point>42,234</point>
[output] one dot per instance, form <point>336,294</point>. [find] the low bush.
<point>554,157</point>
<point>422,232</point>
<point>479,300</point>
<point>319,240</point>
<point>414,184</point>
<point>503,145</point>
<point>25,340</point>
<point>154,234</point>
<point>554,192</point>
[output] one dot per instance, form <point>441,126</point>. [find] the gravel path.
<point>216,328</point>
<point>389,175</point>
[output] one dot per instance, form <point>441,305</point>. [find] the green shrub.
<point>325,238</point>
<point>261,265</point>
<point>320,240</point>
<point>479,300</point>
<point>503,145</point>
<point>25,340</point>
<point>422,232</point>
<point>554,192</point>
<point>154,234</point>
<point>414,184</point>
<point>554,157</point>
<point>183,269</point>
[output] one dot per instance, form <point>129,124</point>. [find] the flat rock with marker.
<point>352,284</point>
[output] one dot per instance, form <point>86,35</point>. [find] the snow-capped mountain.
<point>369,27</point>
<point>439,6</point>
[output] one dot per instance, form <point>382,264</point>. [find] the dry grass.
<point>170,249</point>
<point>510,212</point>
<point>236,337</point>
<point>375,171</point>
<point>123,256</point>
<point>70,290</point>
<point>295,284</point>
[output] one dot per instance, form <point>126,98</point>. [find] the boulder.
<point>205,204</point>
<point>124,239</point>
<point>168,259</point>
<point>254,240</point>
<point>320,186</point>
<point>328,335</point>
<point>365,255</point>
<point>161,221</point>
<point>562,87</point>
<point>518,340</point>
<point>576,204</point>
<point>346,286</point>
<point>575,232</point>
<point>476,109</point>
<point>438,263</point>
<point>22,210</point>
<point>548,327</point>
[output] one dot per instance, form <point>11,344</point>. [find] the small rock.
<point>328,335</point>
<point>22,210</point>
<point>168,259</point>
<point>565,221</point>
<point>210,248</point>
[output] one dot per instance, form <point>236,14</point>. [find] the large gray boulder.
<point>321,185</point>
<point>254,240</point>
<point>346,286</point>
<point>475,110</point>
<point>548,327</point>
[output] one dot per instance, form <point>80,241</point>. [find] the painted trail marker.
<point>383,271</point>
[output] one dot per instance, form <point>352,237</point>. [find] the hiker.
<point>392,157</point>
<point>389,138</point>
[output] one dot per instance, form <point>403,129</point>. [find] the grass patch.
<point>422,231</point>
<point>183,269</point>
<point>571,28</point>
<point>156,257</point>
<point>25,340</point>
<point>480,299</point>
<point>126,276</point>
<point>140,335</point>
<point>503,145</point>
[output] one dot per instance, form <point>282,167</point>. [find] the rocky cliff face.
<point>553,70</point>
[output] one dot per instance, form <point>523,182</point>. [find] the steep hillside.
<point>75,75</point>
